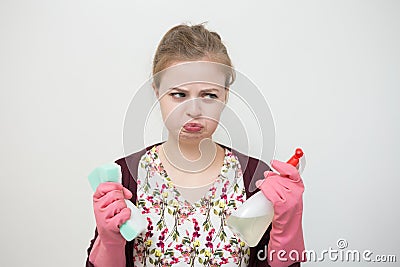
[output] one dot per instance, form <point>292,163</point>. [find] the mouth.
<point>193,127</point>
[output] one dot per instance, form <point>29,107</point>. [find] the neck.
<point>190,156</point>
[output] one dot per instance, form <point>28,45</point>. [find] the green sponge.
<point>110,172</point>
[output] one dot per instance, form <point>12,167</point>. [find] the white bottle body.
<point>250,221</point>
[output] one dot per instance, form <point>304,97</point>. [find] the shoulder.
<point>247,162</point>
<point>252,169</point>
<point>129,167</point>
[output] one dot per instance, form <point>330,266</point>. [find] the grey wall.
<point>68,70</point>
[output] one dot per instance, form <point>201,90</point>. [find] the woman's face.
<point>191,99</point>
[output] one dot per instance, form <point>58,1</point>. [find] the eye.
<point>177,95</point>
<point>212,96</point>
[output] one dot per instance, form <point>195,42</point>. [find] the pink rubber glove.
<point>285,191</point>
<point>111,212</point>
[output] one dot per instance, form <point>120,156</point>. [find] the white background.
<point>68,70</point>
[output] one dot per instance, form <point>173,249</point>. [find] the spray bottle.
<point>250,221</point>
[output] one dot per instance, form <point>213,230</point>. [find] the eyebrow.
<point>204,90</point>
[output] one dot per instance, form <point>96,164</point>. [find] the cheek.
<point>171,114</point>
<point>213,111</point>
<point>212,125</point>
<point>166,109</point>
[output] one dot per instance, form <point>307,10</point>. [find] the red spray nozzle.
<point>294,160</point>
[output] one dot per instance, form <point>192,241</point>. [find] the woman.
<point>188,185</point>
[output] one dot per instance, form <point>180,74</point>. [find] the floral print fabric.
<point>181,233</point>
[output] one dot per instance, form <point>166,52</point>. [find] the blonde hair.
<point>189,43</point>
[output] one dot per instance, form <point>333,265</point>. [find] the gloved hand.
<point>285,191</point>
<point>111,212</point>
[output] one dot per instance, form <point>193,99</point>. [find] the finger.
<point>106,187</point>
<point>109,198</point>
<point>127,193</point>
<point>259,183</point>
<point>113,209</point>
<point>289,185</point>
<point>269,174</point>
<point>273,191</point>
<point>266,175</point>
<point>286,169</point>
<point>121,217</point>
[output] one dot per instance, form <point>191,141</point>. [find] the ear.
<point>226,94</point>
<point>156,90</point>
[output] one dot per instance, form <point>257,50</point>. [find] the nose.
<point>193,108</point>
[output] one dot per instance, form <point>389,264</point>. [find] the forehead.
<point>198,86</point>
<point>193,74</point>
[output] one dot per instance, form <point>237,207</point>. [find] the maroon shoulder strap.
<point>129,168</point>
